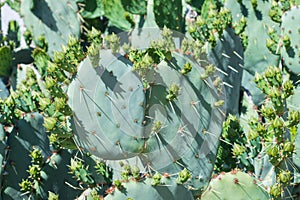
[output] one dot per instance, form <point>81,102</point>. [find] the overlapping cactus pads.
<point>162,120</point>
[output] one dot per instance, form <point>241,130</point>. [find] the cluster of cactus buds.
<point>81,172</point>
<point>280,127</point>
<point>31,184</point>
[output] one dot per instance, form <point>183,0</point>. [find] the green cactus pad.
<point>291,29</point>
<point>235,185</point>
<point>145,128</point>
<point>55,20</point>
<point>5,61</point>
<point>138,7</point>
<point>256,56</point>
<point>91,9</point>
<point>168,13</point>
<point>228,56</point>
<point>3,90</point>
<point>28,134</point>
<point>116,14</point>
<point>168,190</point>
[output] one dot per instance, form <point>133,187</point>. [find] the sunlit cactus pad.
<point>165,119</point>
<point>54,20</point>
<point>235,185</point>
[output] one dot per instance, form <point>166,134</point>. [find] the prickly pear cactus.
<point>228,56</point>
<point>117,15</point>
<point>5,61</point>
<point>257,25</point>
<point>55,21</point>
<point>290,39</point>
<point>235,185</point>
<point>135,6</point>
<point>161,116</point>
<point>168,13</point>
<point>91,9</point>
<point>166,188</point>
<point>30,172</point>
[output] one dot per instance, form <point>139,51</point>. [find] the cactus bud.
<point>72,41</point>
<point>35,172</point>
<point>186,68</point>
<point>277,123</point>
<point>52,67</point>
<point>183,176</point>
<point>59,103</point>
<point>156,179</point>
<point>26,186</point>
<point>273,151</point>
<point>58,57</point>
<point>118,184</point>
<point>49,82</point>
<point>53,138</point>
<point>135,170</point>
<point>286,41</point>
<point>268,112</point>
<point>288,89</point>
<point>44,103</point>
<point>28,37</point>
<point>126,172</point>
<point>275,190</point>
<point>173,92</point>
<point>293,118</point>
<point>37,157</point>
<point>254,4</point>
<point>275,93</point>
<point>42,43</point>
<point>289,147</point>
<point>285,176</point>
<point>157,125</point>
<point>94,36</point>
<point>271,45</point>
<point>252,135</point>
<point>238,150</point>
<point>49,123</point>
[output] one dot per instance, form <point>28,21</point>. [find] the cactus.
<point>290,39</point>
<point>228,57</point>
<point>13,33</point>
<point>169,14</point>
<point>166,189</point>
<point>257,19</point>
<point>257,56</point>
<point>157,186</point>
<point>149,115</point>
<point>3,90</point>
<point>116,115</point>
<point>6,61</point>
<point>197,5</point>
<point>118,17</point>
<point>91,9</point>
<point>135,6</point>
<point>29,134</point>
<point>46,18</point>
<point>234,185</point>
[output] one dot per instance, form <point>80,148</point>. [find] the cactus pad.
<point>256,56</point>
<point>235,185</point>
<point>5,61</point>
<point>170,123</point>
<point>291,31</point>
<point>135,6</point>
<point>168,13</point>
<point>56,21</point>
<point>168,190</point>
